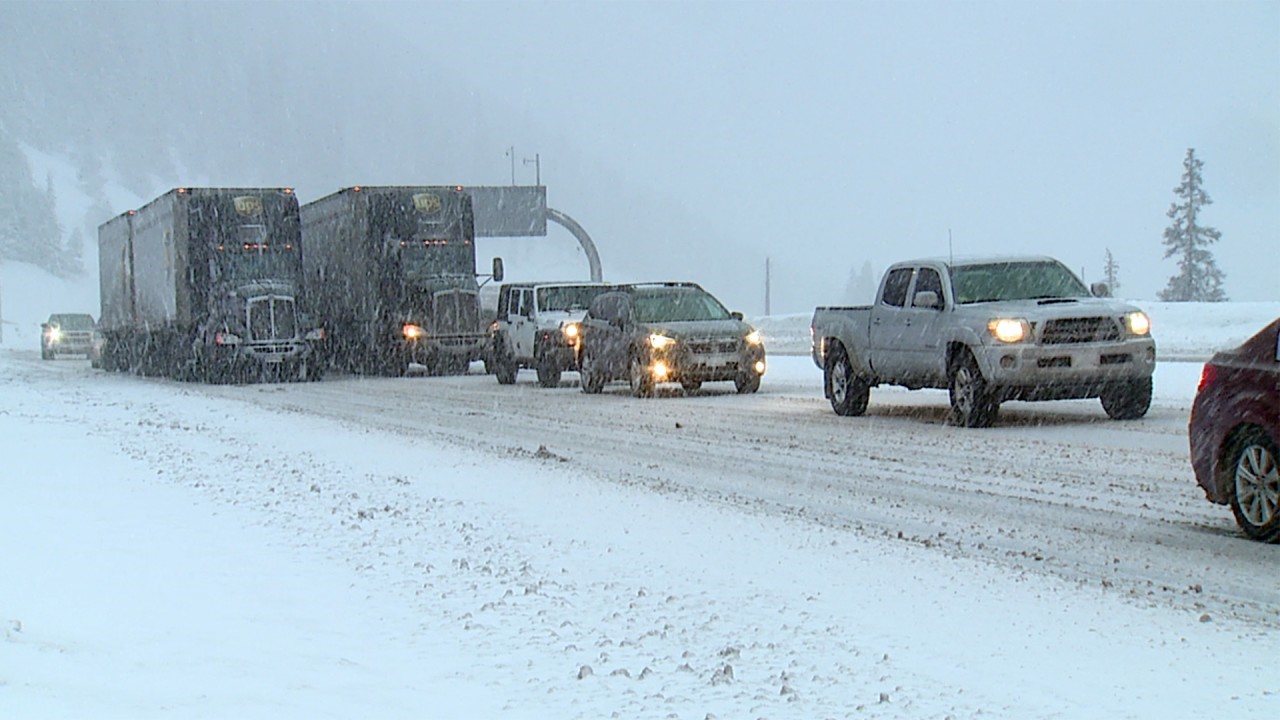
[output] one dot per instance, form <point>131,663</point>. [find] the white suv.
<point>538,326</point>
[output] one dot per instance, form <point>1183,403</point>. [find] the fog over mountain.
<point>693,141</point>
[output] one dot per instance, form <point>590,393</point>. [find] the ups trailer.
<point>204,284</point>
<point>392,273</point>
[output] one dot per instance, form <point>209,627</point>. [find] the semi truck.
<point>392,270</point>
<point>204,284</point>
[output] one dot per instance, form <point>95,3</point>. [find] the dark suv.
<point>68,333</point>
<point>649,333</point>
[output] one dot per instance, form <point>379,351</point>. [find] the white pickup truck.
<point>988,330</point>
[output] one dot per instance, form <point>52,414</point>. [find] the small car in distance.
<point>1235,433</point>
<point>68,334</point>
<point>649,333</point>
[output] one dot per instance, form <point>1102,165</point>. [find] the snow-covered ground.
<point>181,551</point>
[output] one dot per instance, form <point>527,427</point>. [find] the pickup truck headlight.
<point>1137,323</point>
<point>658,342</point>
<point>413,332</point>
<point>571,331</point>
<point>54,334</point>
<point>753,337</point>
<point>1009,330</point>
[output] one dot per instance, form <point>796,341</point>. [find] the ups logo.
<point>427,202</point>
<point>249,205</point>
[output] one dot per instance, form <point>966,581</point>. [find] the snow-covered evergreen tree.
<point>1111,272</point>
<point>1198,278</point>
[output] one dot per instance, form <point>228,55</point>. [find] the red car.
<point>1235,433</point>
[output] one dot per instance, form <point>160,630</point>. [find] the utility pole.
<point>511,153</point>
<point>537,169</point>
<point>768,272</point>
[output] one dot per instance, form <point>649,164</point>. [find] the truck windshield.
<point>436,256</point>
<point>677,305</point>
<point>256,258</point>
<point>994,282</point>
<point>567,298</point>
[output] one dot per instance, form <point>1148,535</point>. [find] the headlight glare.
<point>658,342</point>
<point>1009,330</point>
<point>571,330</point>
<point>753,337</point>
<point>413,332</point>
<point>1137,323</point>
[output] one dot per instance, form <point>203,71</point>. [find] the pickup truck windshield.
<point>677,305</point>
<point>1014,281</point>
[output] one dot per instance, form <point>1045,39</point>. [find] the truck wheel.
<point>691,385</point>
<point>592,378</point>
<point>1127,401</point>
<point>1253,485</point>
<point>972,404</point>
<point>641,380</point>
<point>548,374</point>
<point>747,383</point>
<point>46,353</point>
<point>847,391</point>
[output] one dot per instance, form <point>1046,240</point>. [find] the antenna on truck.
<point>951,254</point>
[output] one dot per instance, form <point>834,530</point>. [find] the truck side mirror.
<point>1100,289</point>
<point>926,299</point>
<point>736,315</point>
<point>497,269</point>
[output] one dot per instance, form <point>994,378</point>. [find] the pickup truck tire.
<point>972,404</point>
<point>847,391</point>
<point>1129,401</point>
<point>591,377</point>
<point>1251,466</point>
<point>638,375</point>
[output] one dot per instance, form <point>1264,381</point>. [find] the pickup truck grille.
<point>712,347</point>
<point>1079,330</point>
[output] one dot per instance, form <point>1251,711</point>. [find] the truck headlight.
<point>571,331</point>
<point>413,332</point>
<point>1137,323</point>
<point>1009,330</point>
<point>753,337</point>
<point>657,342</point>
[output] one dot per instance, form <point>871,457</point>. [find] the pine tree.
<point>1198,278</point>
<point>1111,271</point>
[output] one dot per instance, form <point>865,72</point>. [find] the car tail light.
<point>1207,377</point>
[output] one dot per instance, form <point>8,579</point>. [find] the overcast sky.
<point>695,140</point>
<point>824,133</point>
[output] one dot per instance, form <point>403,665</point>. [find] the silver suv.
<point>651,333</point>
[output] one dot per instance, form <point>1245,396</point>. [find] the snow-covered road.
<point>449,547</point>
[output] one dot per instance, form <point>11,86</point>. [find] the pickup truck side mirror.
<point>1100,289</point>
<point>926,299</point>
<point>497,269</point>
<point>736,315</point>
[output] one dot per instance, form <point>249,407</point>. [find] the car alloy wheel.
<point>1256,487</point>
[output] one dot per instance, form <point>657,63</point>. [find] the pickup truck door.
<point>888,324</point>
<point>923,359</point>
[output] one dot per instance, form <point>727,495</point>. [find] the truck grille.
<point>272,318</point>
<point>455,312</point>
<point>1080,330</point>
